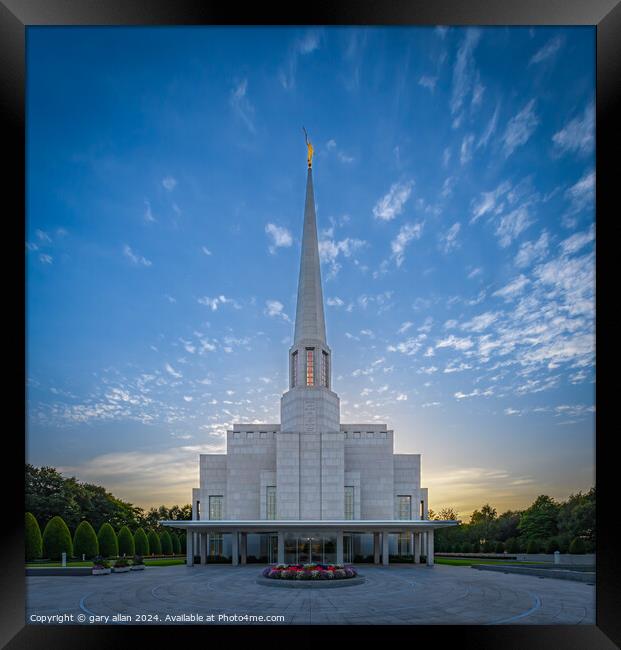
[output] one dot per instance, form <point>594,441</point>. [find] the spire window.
<point>325,369</point>
<point>310,367</point>
<point>294,369</point>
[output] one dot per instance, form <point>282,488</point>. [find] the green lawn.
<point>79,563</point>
<point>469,562</point>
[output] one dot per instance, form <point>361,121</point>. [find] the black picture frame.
<point>17,15</point>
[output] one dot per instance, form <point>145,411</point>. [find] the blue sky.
<point>454,180</point>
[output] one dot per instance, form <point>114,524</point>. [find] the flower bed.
<point>309,572</point>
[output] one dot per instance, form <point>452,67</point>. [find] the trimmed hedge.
<point>176,546</point>
<point>155,546</point>
<point>85,541</point>
<point>500,547</point>
<point>166,543</point>
<point>141,543</point>
<point>34,542</point>
<point>577,546</point>
<point>127,548</point>
<point>108,543</point>
<point>57,539</point>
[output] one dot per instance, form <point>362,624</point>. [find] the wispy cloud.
<point>519,129</point>
<point>241,104</point>
<point>407,233</point>
<point>464,73</point>
<point>281,237</point>
<point>214,303</point>
<point>274,309</point>
<point>135,259</point>
<point>169,183</point>
<point>578,135</point>
<point>547,51</point>
<point>330,250</point>
<point>532,251</point>
<point>448,240</point>
<point>391,204</point>
<point>428,82</point>
<point>305,44</point>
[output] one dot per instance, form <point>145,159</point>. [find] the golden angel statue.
<point>310,149</point>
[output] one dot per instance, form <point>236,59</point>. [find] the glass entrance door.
<point>309,549</point>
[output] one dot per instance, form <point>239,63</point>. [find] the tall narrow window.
<point>349,502</point>
<point>422,509</point>
<point>215,507</point>
<point>325,370</point>
<point>405,507</point>
<point>294,369</point>
<point>198,509</point>
<point>271,502</point>
<point>310,367</point>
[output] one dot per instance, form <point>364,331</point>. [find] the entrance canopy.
<point>276,525</point>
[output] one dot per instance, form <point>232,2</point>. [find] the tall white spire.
<point>309,317</point>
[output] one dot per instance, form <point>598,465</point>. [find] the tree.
<point>155,547</point>
<point>533,546</point>
<point>126,542</point>
<point>577,516</point>
<point>85,540</point>
<point>499,548</point>
<point>512,545</point>
<point>166,543</point>
<point>141,542</point>
<point>34,542</point>
<point>176,546</point>
<point>540,520</point>
<point>445,514</point>
<point>108,543</point>
<point>506,526</point>
<point>482,522</point>
<point>577,546</point>
<point>552,545</point>
<point>57,539</point>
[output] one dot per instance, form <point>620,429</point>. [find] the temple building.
<point>310,489</point>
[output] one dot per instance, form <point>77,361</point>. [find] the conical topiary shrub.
<point>85,541</point>
<point>577,546</point>
<point>34,542</point>
<point>141,543</point>
<point>166,543</point>
<point>155,547</point>
<point>182,542</point>
<point>126,542</point>
<point>499,548</point>
<point>176,546</point>
<point>108,543</point>
<point>57,539</point>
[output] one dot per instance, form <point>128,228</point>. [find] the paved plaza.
<point>397,594</point>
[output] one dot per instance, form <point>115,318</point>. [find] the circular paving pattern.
<point>398,594</point>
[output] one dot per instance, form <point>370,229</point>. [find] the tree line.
<point>50,494</point>
<point>546,526</point>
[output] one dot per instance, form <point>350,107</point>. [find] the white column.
<point>281,548</point>
<point>385,548</point>
<point>423,546</point>
<point>412,548</point>
<point>235,548</point>
<point>339,547</point>
<point>376,548</point>
<point>189,548</point>
<point>430,548</point>
<point>203,546</point>
<point>417,545</point>
<point>243,547</point>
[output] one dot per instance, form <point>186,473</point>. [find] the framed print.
<point>310,322</point>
